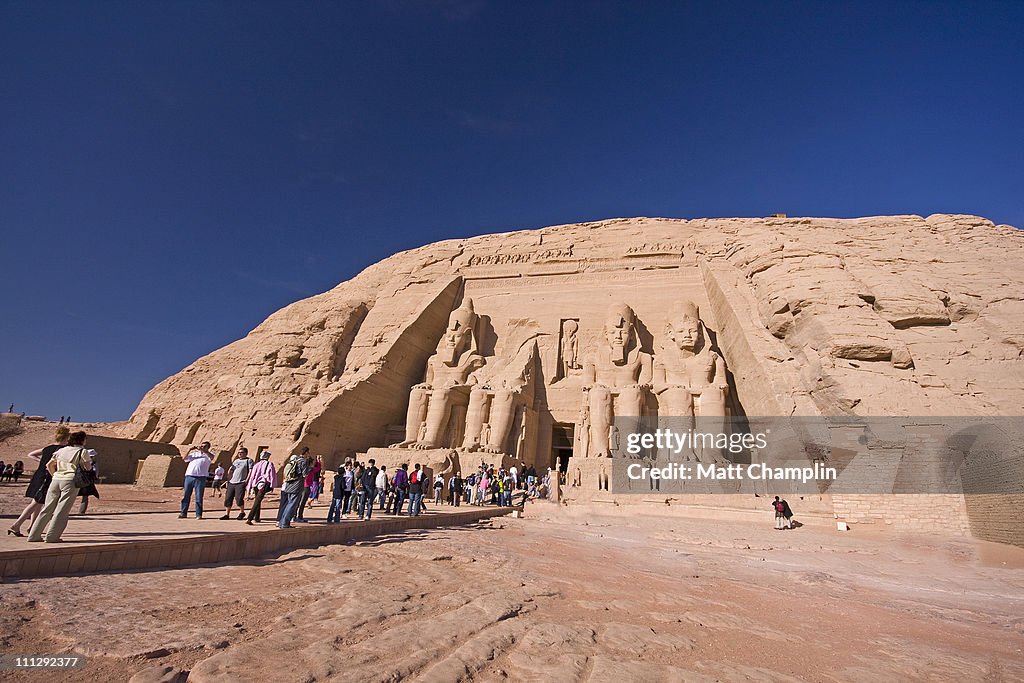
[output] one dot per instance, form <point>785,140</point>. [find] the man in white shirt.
<point>218,479</point>
<point>196,470</point>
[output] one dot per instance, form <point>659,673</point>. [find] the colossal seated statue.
<point>449,377</point>
<point>616,380</point>
<point>467,401</point>
<point>494,403</point>
<point>690,377</point>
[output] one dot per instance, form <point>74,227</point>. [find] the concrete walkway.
<point>106,542</point>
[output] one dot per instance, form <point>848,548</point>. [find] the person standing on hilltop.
<point>53,518</point>
<point>40,482</point>
<point>196,471</point>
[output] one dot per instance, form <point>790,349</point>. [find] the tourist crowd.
<point>357,488</point>
<point>67,469</point>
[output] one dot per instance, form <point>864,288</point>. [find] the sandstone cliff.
<point>894,315</point>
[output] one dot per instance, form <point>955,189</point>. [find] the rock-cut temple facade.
<point>528,346</point>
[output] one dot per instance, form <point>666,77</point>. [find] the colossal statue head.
<point>620,331</point>
<point>684,329</point>
<point>460,334</point>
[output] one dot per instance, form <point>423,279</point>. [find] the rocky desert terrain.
<point>552,596</point>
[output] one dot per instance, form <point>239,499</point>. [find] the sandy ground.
<point>550,597</point>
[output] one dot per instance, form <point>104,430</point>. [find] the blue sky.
<point>173,172</point>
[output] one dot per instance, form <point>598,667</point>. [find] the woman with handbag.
<point>40,482</point>
<point>70,468</point>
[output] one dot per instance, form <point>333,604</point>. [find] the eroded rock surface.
<point>891,315</point>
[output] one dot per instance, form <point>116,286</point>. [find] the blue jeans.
<point>334,514</point>
<point>399,499</point>
<point>198,485</point>
<point>366,503</point>
<point>415,500</point>
<point>383,498</point>
<point>291,506</point>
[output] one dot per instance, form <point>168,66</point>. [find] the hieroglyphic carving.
<point>655,249</point>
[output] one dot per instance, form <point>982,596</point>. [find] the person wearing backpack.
<point>369,497</point>
<point>312,475</point>
<point>235,491</point>
<point>294,475</point>
<point>400,485</point>
<point>781,507</point>
<point>438,488</point>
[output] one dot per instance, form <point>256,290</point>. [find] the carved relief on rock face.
<point>569,348</point>
<point>618,377</point>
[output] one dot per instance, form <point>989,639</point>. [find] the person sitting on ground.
<point>240,470</point>
<point>19,467</point>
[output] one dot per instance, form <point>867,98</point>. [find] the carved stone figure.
<point>570,347</point>
<point>582,433</point>
<point>618,378</point>
<point>448,378</point>
<point>493,404</point>
<point>690,377</point>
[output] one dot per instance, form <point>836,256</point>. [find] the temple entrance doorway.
<point>562,435</point>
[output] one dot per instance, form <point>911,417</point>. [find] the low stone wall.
<point>118,459</point>
<point>996,517</point>
<point>162,470</point>
<point>923,512</point>
<point>64,559</point>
